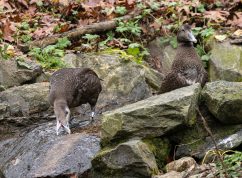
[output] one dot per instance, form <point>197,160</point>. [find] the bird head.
<point>185,35</point>
<point>62,113</point>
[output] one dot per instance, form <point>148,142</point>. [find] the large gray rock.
<point>40,153</point>
<point>132,159</point>
<point>225,62</point>
<point>152,117</point>
<point>124,81</point>
<point>224,101</point>
<point>15,73</point>
<point>23,101</point>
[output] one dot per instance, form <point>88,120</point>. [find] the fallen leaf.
<point>238,33</point>
<point>8,31</point>
<point>220,38</point>
<point>23,2</point>
<point>216,16</point>
<point>237,20</point>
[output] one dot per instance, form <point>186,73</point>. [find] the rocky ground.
<point>136,133</point>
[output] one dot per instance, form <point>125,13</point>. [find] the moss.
<point>160,147</point>
<point>110,126</point>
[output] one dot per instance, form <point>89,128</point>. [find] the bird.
<point>72,87</point>
<point>187,67</point>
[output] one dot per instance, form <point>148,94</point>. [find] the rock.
<point>40,153</point>
<point>172,174</point>
<point>161,148</point>
<point>224,101</point>
<point>151,117</point>
<point>196,142</point>
<point>131,159</point>
<point>161,55</point>
<point>225,62</point>
<point>15,73</point>
<point>195,171</point>
<point>24,100</point>
<point>124,81</point>
<point>181,164</point>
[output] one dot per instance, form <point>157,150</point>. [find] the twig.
<point>214,142</point>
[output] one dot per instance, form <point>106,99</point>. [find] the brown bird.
<point>187,67</point>
<point>72,87</point>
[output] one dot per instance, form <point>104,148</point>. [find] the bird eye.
<point>66,112</point>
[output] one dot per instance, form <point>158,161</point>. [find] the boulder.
<point>225,62</point>
<point>181,164</point>
<point>124,81</point>
<point>152,117</point>
<point>23,101</point>
<point>131,159</point>
<point>172,174</point>
<point>40,153</point>
<point>224,101</point>
<point>161,56</point>
<point>15,72</point>
<point>195,171</point>
<point>196,142</point>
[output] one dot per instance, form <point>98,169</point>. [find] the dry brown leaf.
<point>5,5</point>
<point>216,16</point>
<point>237,20</point>
<point>8,30</point>
<point>23,2</point>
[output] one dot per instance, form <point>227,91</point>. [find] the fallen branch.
<point>75,33</point>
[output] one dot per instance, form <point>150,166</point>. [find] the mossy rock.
<point>129,159</point>
<point>225,62</point>
<point>224,101</point>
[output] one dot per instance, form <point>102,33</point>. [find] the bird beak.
<point>67,128</point>
<point>191,37</point>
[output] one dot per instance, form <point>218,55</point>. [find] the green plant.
<point>24,25</point>
<point>110,36</point>
<point>50,56</point>
<point>4,52</point>
<point>138,51</point>
<point>121,10</point>
<point>91,40</point>
<point>25,38</point>
<point>129,27</point>
<point>203,54</point>
<point>233,163</point>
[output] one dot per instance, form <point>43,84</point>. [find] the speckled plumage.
<point>187,67</point>
<point>72,87</point>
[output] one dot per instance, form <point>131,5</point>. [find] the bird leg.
<point>58,125</point>
<point>92,113</point>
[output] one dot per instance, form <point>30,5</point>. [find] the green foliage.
<point>233,163</point>
<point>25,38</point>
<point>129,27</point>
<point>138,51</point>
<point>110,36</point>
<point>90,37</point>
<point>50,56</point>
<point>203,54</point>
<point>91,40</point>
<point>3,52</point>
<point>24,26</point>
<point>121,10</point>
<point>204,33</point>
